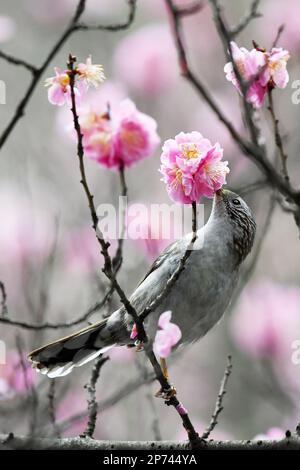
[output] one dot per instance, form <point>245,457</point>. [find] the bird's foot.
<point>139,345</point>
<point>166,394</point>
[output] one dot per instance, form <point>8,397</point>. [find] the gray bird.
<point>197,300</point>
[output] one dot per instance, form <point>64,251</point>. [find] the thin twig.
<point>141,366</point>
<point>51,407</point>
<point>244,22</point>
<point>219,403</point>
<point>20,62</point>
<point>118,258</point>
<point>3,300</point>
<point>278,138</point>
<point>92,403</point>
<point>55,326</point>
<point>278,35</point>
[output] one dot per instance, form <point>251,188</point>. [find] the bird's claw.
<point>166,394</point>
<point>139,345</point>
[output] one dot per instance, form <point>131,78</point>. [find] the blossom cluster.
<point>261,69</point>
<point>192,167</point>
<point>118,137</point>
<point>87,74</point>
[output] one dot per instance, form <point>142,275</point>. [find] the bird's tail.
<point>60,357</point>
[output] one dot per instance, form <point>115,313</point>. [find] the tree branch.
<point>55,326</point>
<point>19,442</point>
<point>244,22</point>
<point>92,403</point>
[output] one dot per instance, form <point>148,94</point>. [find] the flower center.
<point>190,151</point>
<point>64,80</point>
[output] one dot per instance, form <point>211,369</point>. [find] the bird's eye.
<point>236,202</point>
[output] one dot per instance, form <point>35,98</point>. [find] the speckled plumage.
<point>197,300</point>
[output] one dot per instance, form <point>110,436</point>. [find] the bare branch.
<point>92,403</point>
<point>219,403</point>
<point>278,138</point>
<point>111,27</point>
<point>244,22</point>
<point>51,407</point>
<point>3,303</point>
<point>291,442</point>
<point>55,326</point>
<point>20,62</point>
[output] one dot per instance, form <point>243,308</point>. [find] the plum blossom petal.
<point>167,337</point>
<point>93,74</point>
<point>192,167</point>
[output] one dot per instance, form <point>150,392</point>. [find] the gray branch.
<point>292,442</point>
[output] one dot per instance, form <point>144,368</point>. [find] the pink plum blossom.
<point>59,91</point>
<point>192,167</point>
<point>167,337</point>
<point>276,73</point>
<point>146,60</point>
<point>272,66</point>
<point>87,74</point>
<point>121,137</point>
<point>16,375</point>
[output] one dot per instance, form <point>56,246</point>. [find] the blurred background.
<point>49,259</point>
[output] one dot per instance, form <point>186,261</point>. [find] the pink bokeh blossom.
<point>149,232</point>
<point>16,376</point>
<point>146,60</point>
<point>192,167</point>
<point>7,28</point>
<point>167,336</point>
<point>273,434</point>
<point>266,69</point>
<point>121,137</point>
<point>266,324</point>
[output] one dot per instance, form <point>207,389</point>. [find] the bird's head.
<point>234,211</point>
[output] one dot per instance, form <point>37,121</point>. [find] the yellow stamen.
<point>190,151</point>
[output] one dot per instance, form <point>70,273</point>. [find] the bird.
<point>197,301</point>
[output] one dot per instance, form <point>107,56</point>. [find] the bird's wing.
<point>160,260</point>
<point>155,280</point>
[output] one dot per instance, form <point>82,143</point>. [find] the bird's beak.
<point>220,194</point>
